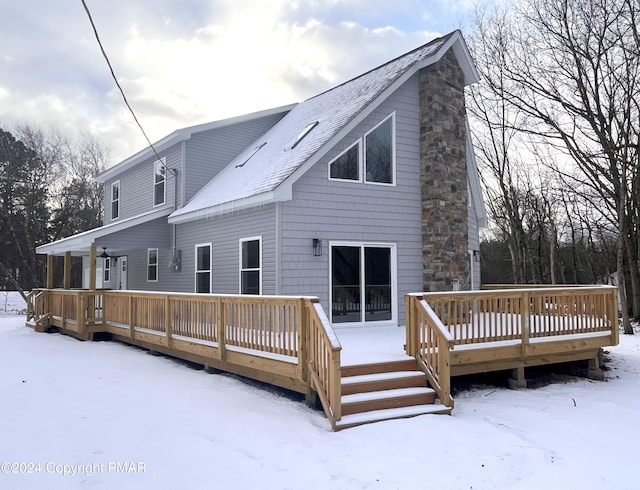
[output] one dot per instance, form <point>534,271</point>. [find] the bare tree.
<point>571,68</point>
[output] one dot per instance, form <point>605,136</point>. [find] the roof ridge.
<point>442,39</point>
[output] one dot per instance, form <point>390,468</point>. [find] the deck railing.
<point>324,361</point>
<point>475,317</point>
<point>291,336</point>
<point>436,322</point>
<point>430,343</point>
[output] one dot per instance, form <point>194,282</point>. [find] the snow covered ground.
<point>11,303</point>
<point>103,415</point>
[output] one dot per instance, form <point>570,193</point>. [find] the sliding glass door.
<point>362,283</point>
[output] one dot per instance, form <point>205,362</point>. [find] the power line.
<point>113,75</point>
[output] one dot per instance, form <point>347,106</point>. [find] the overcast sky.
<point>185,62</point>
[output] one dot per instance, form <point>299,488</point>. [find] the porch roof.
<point>81,242</point>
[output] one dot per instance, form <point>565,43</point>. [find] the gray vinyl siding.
<point>154,234</point>
<point>209,152</point>
<point>359,212</point>
<point>224,234</point>
<point>136,186</point>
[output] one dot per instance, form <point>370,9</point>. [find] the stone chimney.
<point>443,177</point>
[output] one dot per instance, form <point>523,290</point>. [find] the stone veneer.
<point>443,176</point>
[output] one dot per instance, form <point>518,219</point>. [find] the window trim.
<point>259,269</point>
<point>149,265</point>
<point>116,201</point>
<point>106,270</point>
<point>391,116</point>
<point>162,162</point>
<point>357,143</point>
<point>196,270</point>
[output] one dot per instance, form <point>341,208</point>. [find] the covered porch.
<point>357,374</point>
<point>102,247</point>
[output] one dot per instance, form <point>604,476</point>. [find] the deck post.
<point>594,371</point>
<point>82,311</point>
<point>49,271</point>
<point>303,341</point>
<point>335,386</point>
<point>132,330</point>
<point>526,316</point>
<point>92,267</point>
<point>167,321</point>
<point>518,379</point>
<point>66,281</point>
<point>221,330</point>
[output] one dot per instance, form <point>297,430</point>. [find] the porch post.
<point>49,271</point>
<point>66,283</point>
<point>92,267</point>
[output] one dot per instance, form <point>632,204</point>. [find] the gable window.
<point>347,165</point>
<point>379,153</point>
<point>152,265</point>
<point>203,268</point>
<point>251,265</point>
<point>115,200</point>
<point>159,180</point>
<point>107,270</point>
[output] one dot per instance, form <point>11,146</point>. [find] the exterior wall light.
<point>317,247</point>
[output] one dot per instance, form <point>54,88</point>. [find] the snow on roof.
<point>255,175</point>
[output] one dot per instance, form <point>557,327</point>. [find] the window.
<point>159,178</point>
<point>203,268</point>
<point>379,153</point>
<point>107,270</point>
<point>347,165</point>
<point>115,200</point>
<point>250,265</point>
<point>152,265</point>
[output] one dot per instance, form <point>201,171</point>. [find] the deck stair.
<point>384,391</point>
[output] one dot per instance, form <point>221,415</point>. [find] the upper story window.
<point>251,265</point>
<point>379,153</point>
<point>115,200</point>
<point>159,181</point>
<point>372,156</point>
<point>347,165</point>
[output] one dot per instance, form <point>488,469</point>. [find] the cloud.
<point>191,61</point>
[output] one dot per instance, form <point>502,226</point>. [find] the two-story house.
<point>358,195</point>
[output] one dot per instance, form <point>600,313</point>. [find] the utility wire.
<point>113,75</point>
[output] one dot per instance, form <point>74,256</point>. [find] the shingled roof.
<point>265,171</point>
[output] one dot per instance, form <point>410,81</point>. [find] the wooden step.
<point>382,381</point>
<point>389,414</point>
<point>380,400</point>
<point>408,364</point>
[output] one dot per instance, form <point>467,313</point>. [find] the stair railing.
<point>324,361</point>
<point>429,341</point>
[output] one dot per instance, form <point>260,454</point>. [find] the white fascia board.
<point>255,201</point>
<point>468,67</point>
<point>82,241</point>
<point>182,135</point>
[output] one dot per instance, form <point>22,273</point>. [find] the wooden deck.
<point>398,372</point>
